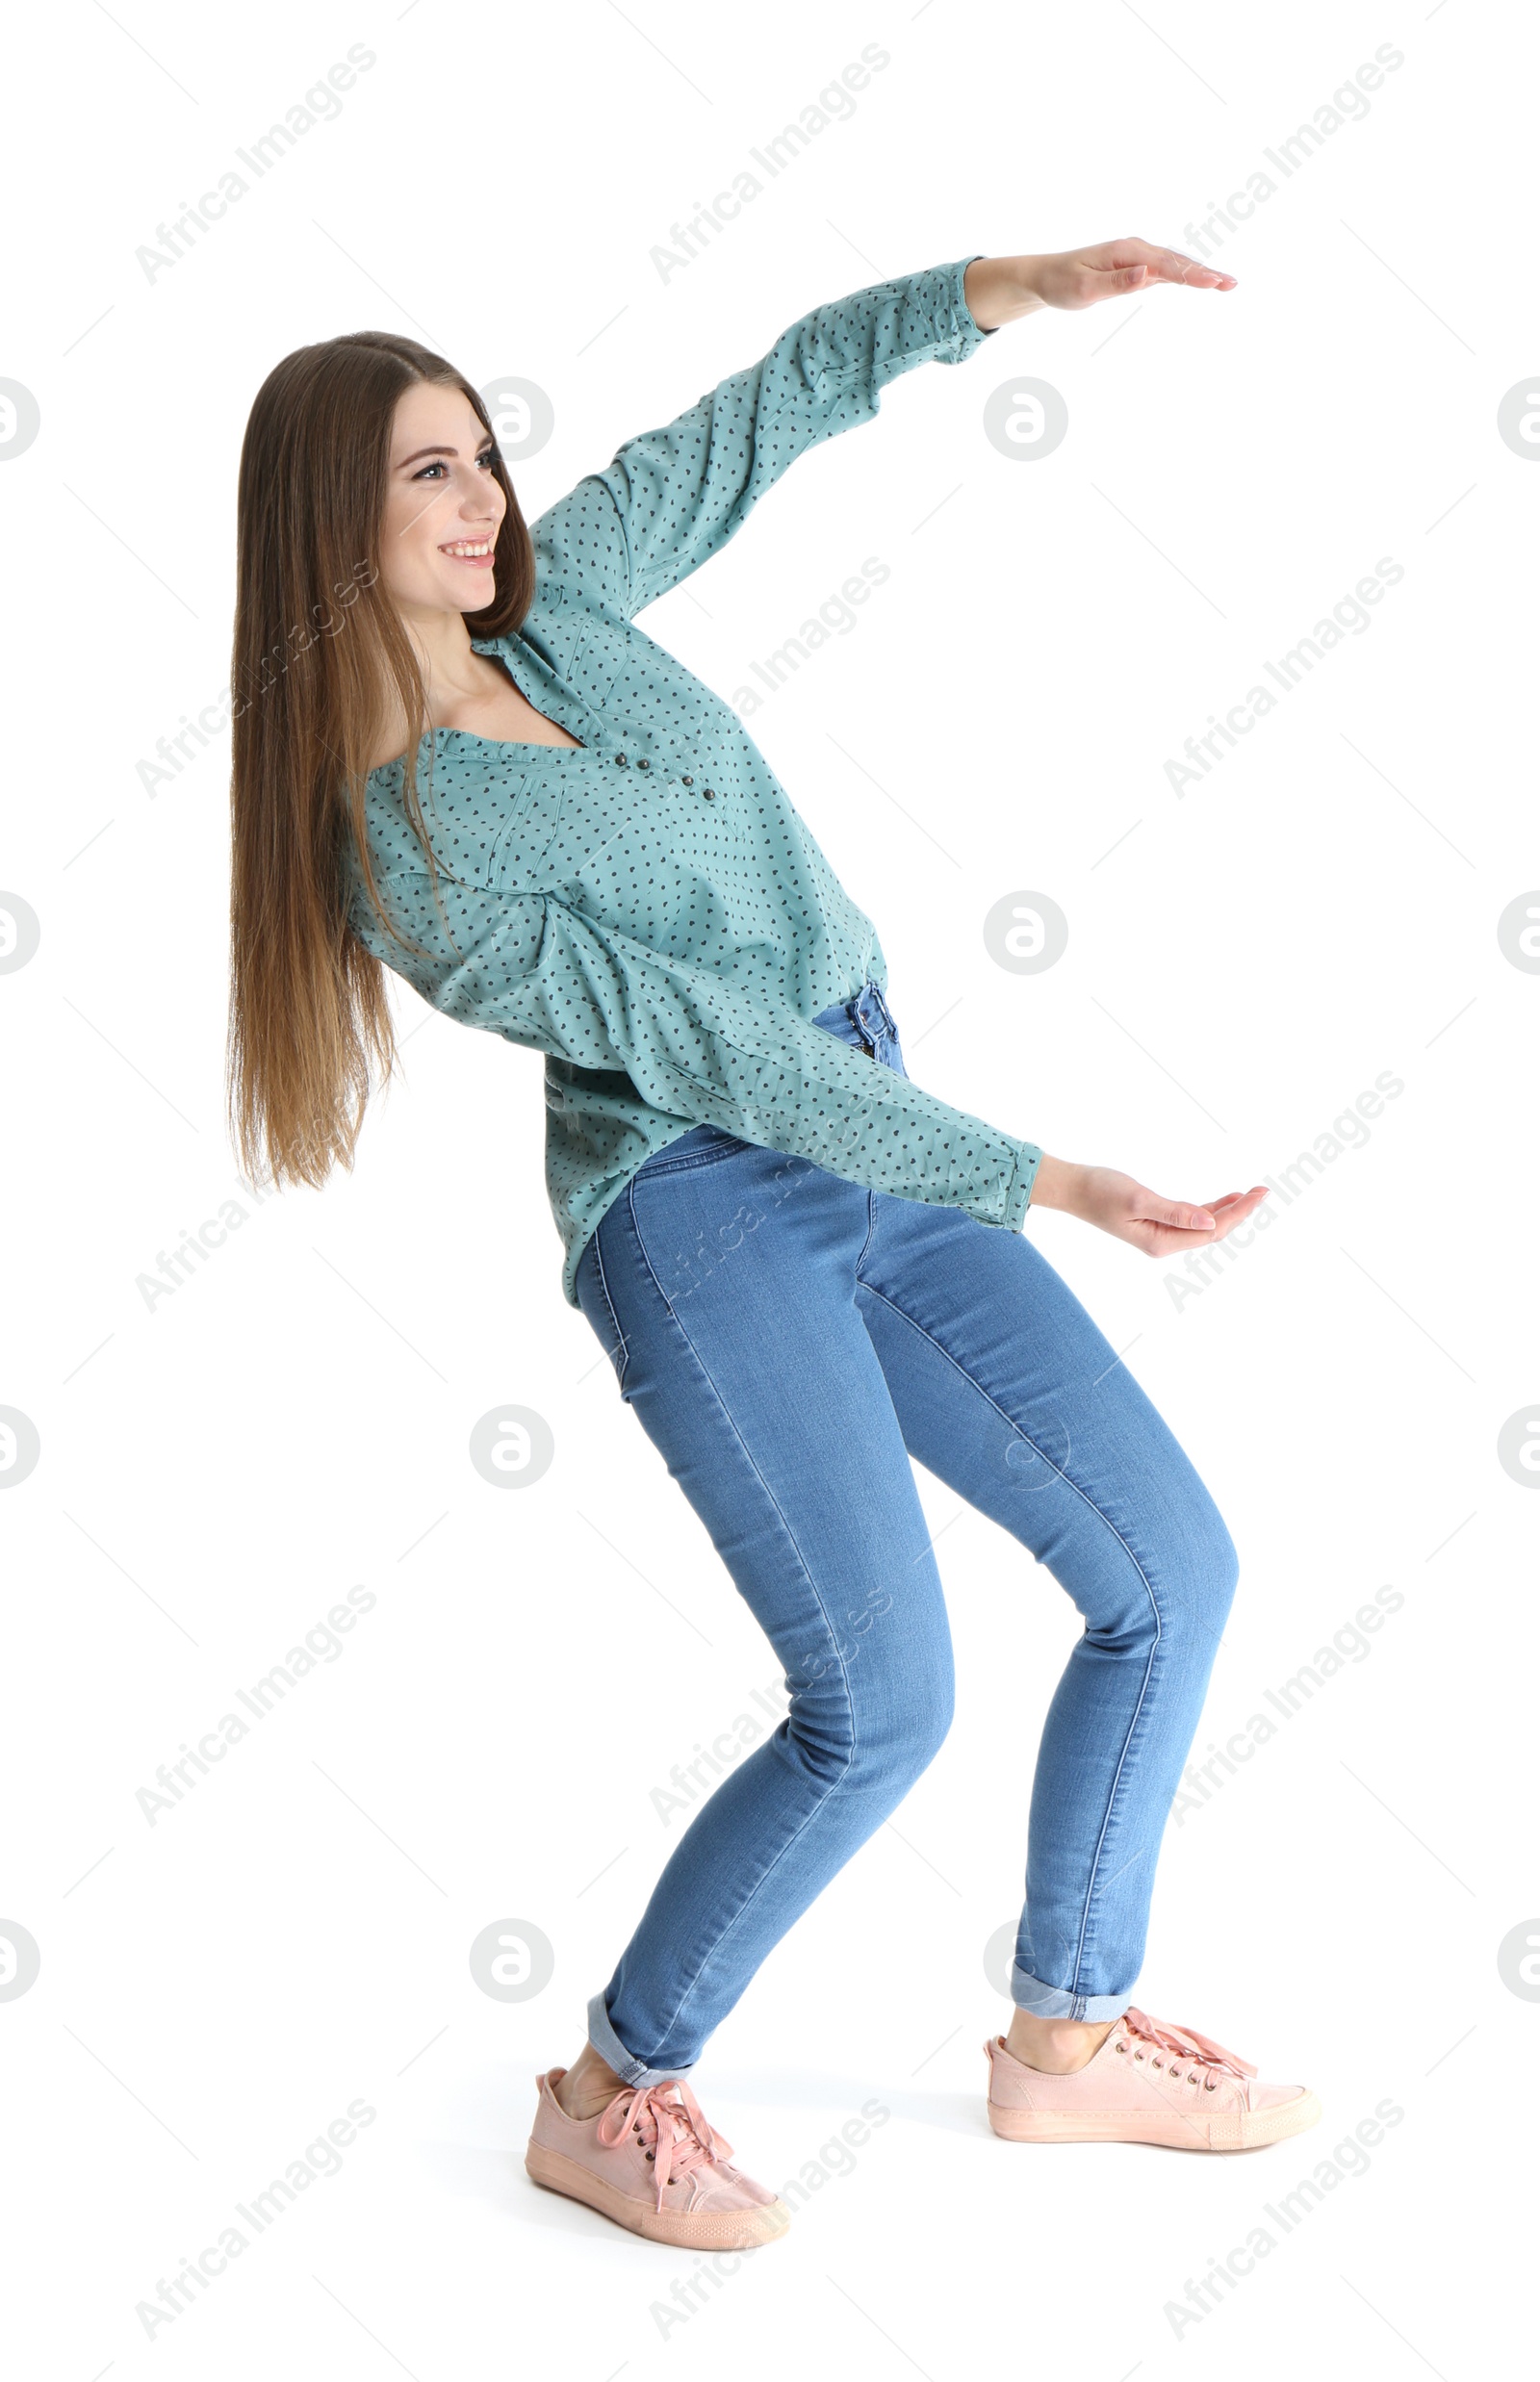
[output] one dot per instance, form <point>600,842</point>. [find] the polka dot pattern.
<point>649,909</point>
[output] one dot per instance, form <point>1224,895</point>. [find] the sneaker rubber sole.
<point>702,2229</point>
<point>1229,2130</point>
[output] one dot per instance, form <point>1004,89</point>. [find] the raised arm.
<point>673,497</point>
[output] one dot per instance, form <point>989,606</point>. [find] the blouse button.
<point>710,791</point>
<point>642,762</point>
<point>622,761</point>
<point>686,780</point>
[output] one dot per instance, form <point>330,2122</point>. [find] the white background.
<point>218,1468</point>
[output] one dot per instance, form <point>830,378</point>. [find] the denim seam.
<point>871,1232</point>
<point>1107,1523</point>
<point>708,1157</point>
<point>621,1341</point>
<point>889,1026</point>
<point>829,1793</point>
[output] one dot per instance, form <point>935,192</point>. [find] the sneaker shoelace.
<point>675,2132</point>
<point>1184,2047</point>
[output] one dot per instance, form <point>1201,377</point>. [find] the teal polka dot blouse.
<point>650,911</point>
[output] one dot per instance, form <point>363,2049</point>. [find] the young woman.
<point>806,1271</point>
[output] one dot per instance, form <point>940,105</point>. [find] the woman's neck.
<point>452,672</point>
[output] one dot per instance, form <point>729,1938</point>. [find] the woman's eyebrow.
<point>484,441</point>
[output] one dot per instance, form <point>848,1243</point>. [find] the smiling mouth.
<point>469,549</point>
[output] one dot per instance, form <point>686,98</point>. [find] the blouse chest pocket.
<point>515,860</point>
<point>599,654</point>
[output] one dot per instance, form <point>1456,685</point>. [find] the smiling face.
<point>443,505</point>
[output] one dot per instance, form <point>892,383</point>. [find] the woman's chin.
<point>469,591</point>
<point>473,590</point>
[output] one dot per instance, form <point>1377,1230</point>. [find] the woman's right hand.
<point>1116,1203</point>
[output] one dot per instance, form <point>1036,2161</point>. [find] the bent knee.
<point>920,1731</point>
<point>882,1734</point>
<point>1180,1575</point>
<point>909,1710</point>
<point>1201,1569</point>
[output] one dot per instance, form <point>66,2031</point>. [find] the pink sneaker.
<point>1147,2082</point>
<point>653,2160</point>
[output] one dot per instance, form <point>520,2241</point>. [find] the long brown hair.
<point>319,652</point>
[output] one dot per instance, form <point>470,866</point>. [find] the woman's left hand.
<point>1130,1211</point>
<point>998,289</point>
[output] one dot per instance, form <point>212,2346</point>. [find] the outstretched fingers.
<point>1134,263</point>
<point>1161,1226</point>
<point>1178,1213</point>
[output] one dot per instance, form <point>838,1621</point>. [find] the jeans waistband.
<point>866,1011</point>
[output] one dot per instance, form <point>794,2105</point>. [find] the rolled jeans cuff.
<point>609,2045</point>
<point>1044,2001</point>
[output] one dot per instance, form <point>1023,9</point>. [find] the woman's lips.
<point>478,561</point>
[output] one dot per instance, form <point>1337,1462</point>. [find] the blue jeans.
<point>788,1341</point>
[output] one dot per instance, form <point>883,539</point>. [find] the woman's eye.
<point>485,458</point>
